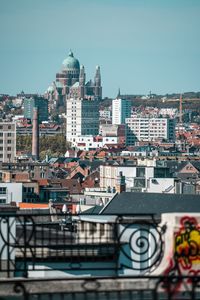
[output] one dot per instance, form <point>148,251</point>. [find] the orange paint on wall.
<point>22,205</point>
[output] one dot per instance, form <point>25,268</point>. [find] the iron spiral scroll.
<point>141,244</point>
<point>20,290</point>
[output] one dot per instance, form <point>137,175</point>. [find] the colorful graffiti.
<point>187,243</point>
<point>186,254</point>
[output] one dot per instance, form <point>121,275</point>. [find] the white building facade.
<point>137,178</point>
<point>149,129</point>
<point>121,109</point>
<point>89,142</point>
<point>105,114</point>
<point>11,192</point>
<point>82,118</point>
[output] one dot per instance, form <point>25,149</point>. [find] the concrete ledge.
<point>19,286</point>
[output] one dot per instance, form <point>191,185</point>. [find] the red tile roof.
<point>43,182</point>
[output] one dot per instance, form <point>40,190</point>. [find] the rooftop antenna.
<point>119,94</point>
<point>150,94</point>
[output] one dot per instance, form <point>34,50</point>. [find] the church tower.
<point>97,84</point>
<point>82,81</point>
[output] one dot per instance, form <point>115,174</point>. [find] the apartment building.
<point>11,192</point>
<point>149,129</point>
<point>82,118</point>
<point>40,103</point>
<point>137,178</point>
<point>24,171</point>
<point>121,109</point>
<point>7,141</point>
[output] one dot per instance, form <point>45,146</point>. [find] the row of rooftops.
<point>94,163</point>
<point>133,203</point>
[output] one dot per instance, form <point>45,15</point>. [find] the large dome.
<point>71,63</point>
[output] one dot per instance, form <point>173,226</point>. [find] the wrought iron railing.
<point>79,244</point>
<point>119,254</point>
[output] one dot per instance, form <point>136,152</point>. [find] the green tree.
<point>49,145</point>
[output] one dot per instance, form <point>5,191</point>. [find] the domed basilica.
<point>71,83</point>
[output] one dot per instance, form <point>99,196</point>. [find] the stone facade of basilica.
<point>71,82</point>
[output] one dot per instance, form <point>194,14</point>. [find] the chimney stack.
<point>35,134</point>
<point>181,109</point>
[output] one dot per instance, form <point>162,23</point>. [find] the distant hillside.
<point>162,101</point>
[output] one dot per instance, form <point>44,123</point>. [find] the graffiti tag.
<point>187,243</point>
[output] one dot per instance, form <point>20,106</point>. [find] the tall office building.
<point>36,102</point>
<point>121,109</point>
<point>7,141</point>
<point>82,118</point>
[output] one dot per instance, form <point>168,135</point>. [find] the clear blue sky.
<point>141,45</point>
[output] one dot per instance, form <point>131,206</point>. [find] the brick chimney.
<point>35,134</point>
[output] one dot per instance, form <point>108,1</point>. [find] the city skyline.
<point>141,46</point>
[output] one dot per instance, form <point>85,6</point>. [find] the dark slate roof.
<point>60,160</point>
<point>152,203</point>
<point>92,164</point>
<point>71,159</point>
<point>95,210</point>
<point>196,164</point>
<point>176,166</point>
<point>187,176</point>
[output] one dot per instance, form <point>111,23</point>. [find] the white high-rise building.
<point>7,141</point>
<point>149,129</point>
<point>82,118</point>
<point>121,109</point>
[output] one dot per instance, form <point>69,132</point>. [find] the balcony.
<point>50,256</point>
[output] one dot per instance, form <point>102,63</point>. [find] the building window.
<point>140,183</point>
<point>2,190</point>
<point>140,172</point>
<point>161,172</point>
<point>101,229</point>
<point>2,201</point>
<point>92,228</point>
<point>30,189</point>
<point>82,226</point>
